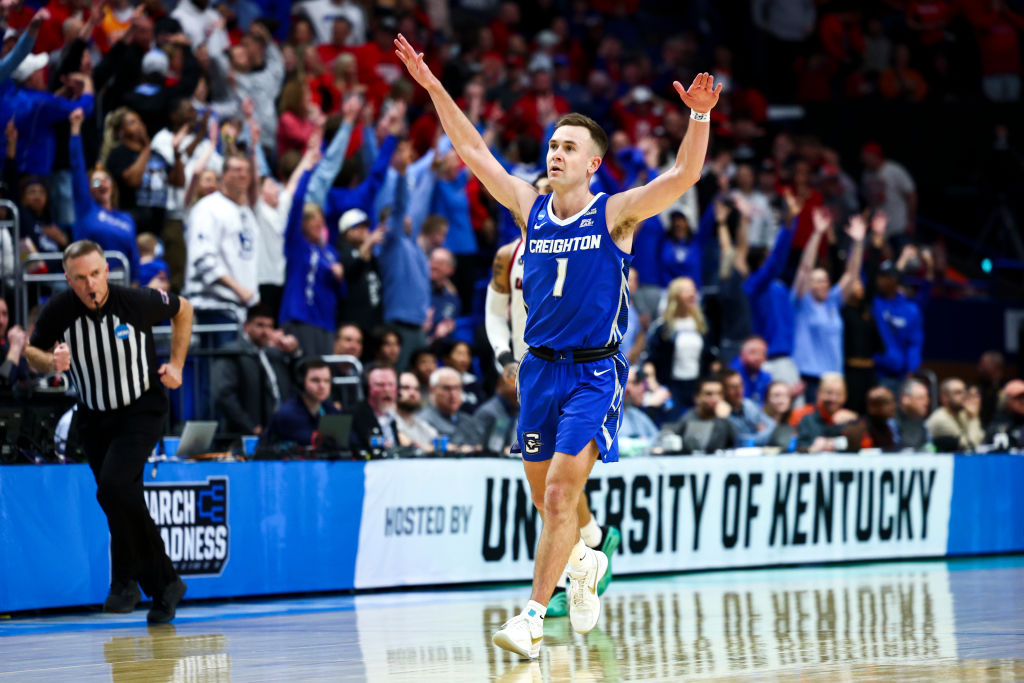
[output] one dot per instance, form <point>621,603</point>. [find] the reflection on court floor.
<point>895,621</point>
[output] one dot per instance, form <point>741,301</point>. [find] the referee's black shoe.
<point>164,604</point>
<point>124,596</point>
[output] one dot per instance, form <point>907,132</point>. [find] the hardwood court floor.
<point>909,621</point>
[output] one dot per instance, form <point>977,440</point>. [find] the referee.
<point>103,335</point>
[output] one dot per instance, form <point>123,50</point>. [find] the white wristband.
<point>700,116</point>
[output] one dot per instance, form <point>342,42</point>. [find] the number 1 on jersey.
<point>563,265</point>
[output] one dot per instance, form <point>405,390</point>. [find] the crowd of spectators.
<point>300,187</point>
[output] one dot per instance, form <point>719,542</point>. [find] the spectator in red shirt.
<point>299,117</point>
<point>524,118</point>
<point>341,29</point>
<point>997,30</point>
<point>928,18</point>
<point>638,112</point>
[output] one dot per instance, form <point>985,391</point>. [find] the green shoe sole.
<point>558,606</point>
<point>612,539</point>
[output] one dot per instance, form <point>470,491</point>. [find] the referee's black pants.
<point>118,444</point>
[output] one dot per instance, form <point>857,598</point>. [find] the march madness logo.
<point>192,518</point>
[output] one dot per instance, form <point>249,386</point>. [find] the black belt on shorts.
<point>574,355</point>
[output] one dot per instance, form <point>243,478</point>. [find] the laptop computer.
<point>335,431</point>
<point>196,438</point>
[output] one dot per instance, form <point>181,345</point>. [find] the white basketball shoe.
<point>521,634</point>
<point>584,605</point>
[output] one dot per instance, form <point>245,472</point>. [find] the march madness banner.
<point>446,521</point>
<point>192,518</point>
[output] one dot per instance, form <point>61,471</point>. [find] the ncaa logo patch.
<point>531,442</point>
<point>121,331</point>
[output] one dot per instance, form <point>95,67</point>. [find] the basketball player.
<point>505,321</point>
<point>575,269</point>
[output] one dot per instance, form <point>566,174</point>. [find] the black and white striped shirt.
<point>113,359</point>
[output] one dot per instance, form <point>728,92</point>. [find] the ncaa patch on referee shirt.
<point>121,331</point>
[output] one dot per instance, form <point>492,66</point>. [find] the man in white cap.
<point>152,99</point>
<point>23,47</point>
<point>362,269</point>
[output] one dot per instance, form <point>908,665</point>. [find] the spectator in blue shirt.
<point>153,270</point>
<point>314,279</point>
<point>753,426</point>
<point>445,302</point>
<point>818,338</point>
<point>636,424</point>
<point>37,113</point>
<point>298,418</point>
<point>357,193</point>
<point>900,325</point>
<point>449,200</point>
<point>403,264</point>
<point>96,218</point>
<point>750,365</point>
<point>14,59</point>
<point>771,307</point>
<point>681,252</point>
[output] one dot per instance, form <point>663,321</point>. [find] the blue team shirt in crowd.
<point>818,337</point>
<point>113,230</point>
<point>311,292</point>
<point>771,303</point>
<point>902,329</point>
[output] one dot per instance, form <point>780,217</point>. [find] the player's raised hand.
<point>170,375</point>
<point>702,94</point>
<point>414,63</point>
<point>61,357</point>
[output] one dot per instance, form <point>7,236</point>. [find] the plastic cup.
<point>249,444</point>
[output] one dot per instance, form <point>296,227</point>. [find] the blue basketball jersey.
<point>574,279</point>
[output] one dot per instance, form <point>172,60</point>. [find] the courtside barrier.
<point>231,529</point>
<point>285,527</point>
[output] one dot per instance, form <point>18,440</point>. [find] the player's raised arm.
<point>514,194</point>
<point>631,208</point>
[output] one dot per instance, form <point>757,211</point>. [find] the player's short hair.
<point>597,133</point>
<point>80,248</point>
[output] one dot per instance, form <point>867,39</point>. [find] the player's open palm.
<point>414,62</point>
<point>702,94</point>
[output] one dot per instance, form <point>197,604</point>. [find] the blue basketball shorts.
<point>562,406</point>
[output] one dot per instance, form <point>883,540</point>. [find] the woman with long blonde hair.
<point>678,343</point>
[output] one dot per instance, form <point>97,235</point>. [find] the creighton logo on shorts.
<point>531,442</point>
<point>192,518</point>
